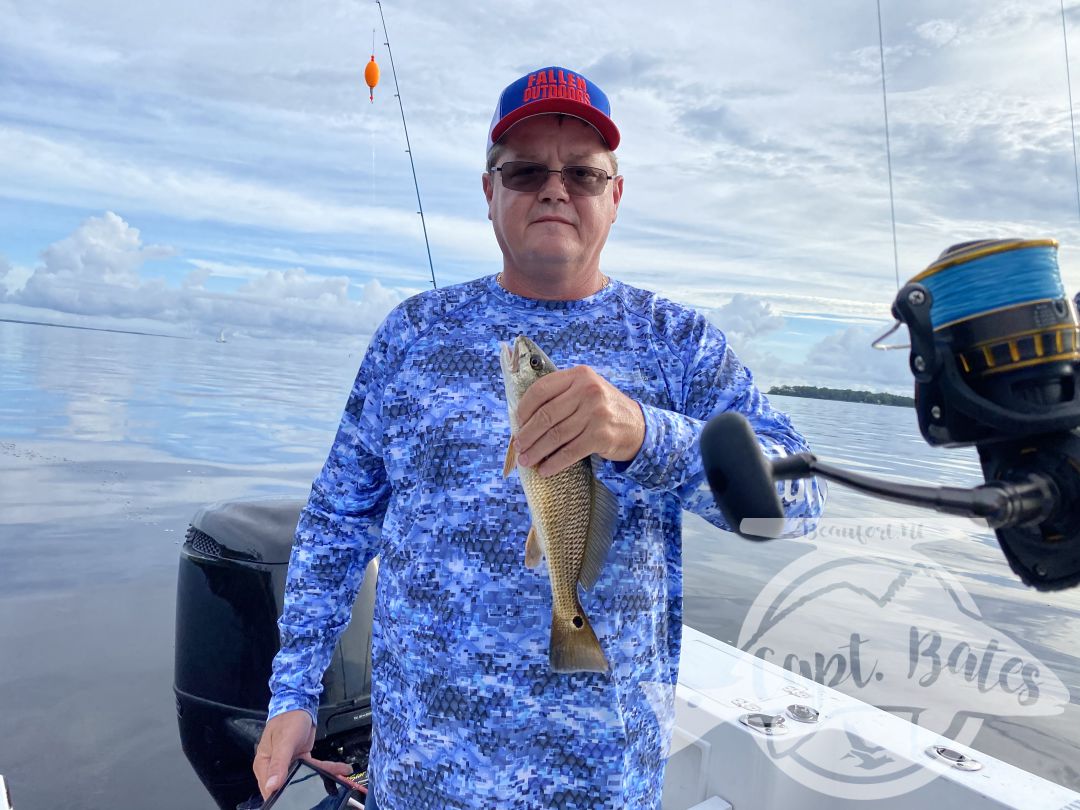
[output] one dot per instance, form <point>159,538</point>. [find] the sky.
<point>192,173</point>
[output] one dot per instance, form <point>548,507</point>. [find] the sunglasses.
<point>580,181</point>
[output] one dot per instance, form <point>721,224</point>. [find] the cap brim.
<point>590,115</point>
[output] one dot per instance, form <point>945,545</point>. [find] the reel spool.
<point>995,344</point>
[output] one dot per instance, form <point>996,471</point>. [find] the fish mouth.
<point>510,358</point>
<point>522,347</point>
<point>515,359</point>
<point>506,357</point>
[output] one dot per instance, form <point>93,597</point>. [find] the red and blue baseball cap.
<point>554,90</point>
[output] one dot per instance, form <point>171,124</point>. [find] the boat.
<point>746,734</point>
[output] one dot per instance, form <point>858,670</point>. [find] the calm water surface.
<point>109,442</point>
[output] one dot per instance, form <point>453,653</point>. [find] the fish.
<point>573,522</point>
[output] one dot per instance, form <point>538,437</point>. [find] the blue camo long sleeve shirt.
<point>466,710</point>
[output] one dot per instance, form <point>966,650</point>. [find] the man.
<point>467,712</point>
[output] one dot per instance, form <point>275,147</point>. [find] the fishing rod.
<point>408,146</point>
<point>1072,118</point>
<point>888,144</point>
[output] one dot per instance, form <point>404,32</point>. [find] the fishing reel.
<point>1001,363</point>
<point>995,352</point>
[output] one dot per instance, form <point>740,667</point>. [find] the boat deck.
<point>854,756</point>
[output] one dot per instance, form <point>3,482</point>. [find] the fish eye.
<point>534,361</point>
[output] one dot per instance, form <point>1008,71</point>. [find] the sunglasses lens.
<point>580,181</point>
<point>584,181</point>
<point>522,176</point>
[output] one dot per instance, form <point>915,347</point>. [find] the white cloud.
<point>96,271</point>
<point>938,32</point>
<point>196,279</point>
<point>862,66</point>
<point>746,317</point>
<point>104,249</point>
<point>847,359</point>
<point>50,170</point>
<point>11,277</point>
<point>205,268</point>
<point>841,359</point>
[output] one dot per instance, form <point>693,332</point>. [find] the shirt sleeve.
<point>716,381</point>
<point>339,533</point>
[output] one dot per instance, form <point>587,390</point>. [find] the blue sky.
<point>192,172</point>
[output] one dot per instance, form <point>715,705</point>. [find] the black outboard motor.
<point>229,596</point>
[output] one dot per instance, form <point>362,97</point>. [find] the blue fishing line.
<point>1000,280</point>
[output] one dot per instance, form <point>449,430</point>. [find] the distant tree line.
<point>843,394</point>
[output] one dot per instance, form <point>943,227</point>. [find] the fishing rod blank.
<point>408,146</point>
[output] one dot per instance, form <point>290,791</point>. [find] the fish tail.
<point>574,646</point>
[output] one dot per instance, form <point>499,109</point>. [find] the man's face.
<point>549,229</point>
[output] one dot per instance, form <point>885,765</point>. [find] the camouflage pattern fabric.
<point>466,711</point>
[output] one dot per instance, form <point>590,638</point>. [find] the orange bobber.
<point>371,76</point>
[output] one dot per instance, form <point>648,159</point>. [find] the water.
<point>109,442</point>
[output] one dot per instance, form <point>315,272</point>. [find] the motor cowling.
<point>230,591</point>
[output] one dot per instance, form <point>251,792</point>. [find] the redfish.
<point>573,522</point>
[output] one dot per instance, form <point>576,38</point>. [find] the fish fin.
<point>534,549</point>
<point>575,648</point>
<point>511,459</point>
<point>603,514</point>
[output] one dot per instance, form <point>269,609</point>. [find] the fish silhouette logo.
<point>867,614</point>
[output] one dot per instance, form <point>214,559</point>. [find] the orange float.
<point>371,77</point>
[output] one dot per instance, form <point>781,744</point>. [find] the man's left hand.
<point>570,414</point>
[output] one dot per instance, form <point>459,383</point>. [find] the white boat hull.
<point>855,756</point>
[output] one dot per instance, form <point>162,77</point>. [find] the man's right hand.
<point>286,738</point>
